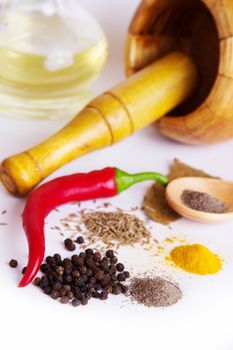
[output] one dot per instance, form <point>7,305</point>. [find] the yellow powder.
<point>169,240</point>
<point>196,259</point>
<point>160,249</point>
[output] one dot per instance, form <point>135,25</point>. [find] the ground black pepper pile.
<point>155,292</point>
<point>84,276</point>
<point>201,201</point>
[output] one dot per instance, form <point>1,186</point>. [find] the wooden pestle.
<point>130,106</point>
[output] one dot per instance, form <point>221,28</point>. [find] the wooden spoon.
<point>222,190</point>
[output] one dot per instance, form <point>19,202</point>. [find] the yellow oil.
<point>29,89</point>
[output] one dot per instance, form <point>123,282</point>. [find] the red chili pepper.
<point>78,187</point>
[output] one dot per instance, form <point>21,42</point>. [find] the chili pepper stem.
<point>125,180</point>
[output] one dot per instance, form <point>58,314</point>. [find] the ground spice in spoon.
<point>155,292</point>
<point>202,201</point>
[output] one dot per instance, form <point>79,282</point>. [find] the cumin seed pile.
<point>116,227</point>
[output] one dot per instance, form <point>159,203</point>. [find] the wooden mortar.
<point>204,31</point>
<point>178,41</point>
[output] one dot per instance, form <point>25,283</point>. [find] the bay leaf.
<point>155,205</point>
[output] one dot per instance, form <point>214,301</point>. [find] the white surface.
<point>202,320</point>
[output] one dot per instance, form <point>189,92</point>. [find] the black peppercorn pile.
<point>84,276</point>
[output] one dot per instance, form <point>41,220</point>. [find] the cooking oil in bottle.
<point>51,51</point>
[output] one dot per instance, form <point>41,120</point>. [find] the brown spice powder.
<point>204,202</point>
<point>155,292</point>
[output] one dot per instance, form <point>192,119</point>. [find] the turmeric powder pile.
<point>196,259</point>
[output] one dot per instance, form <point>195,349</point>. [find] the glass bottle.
<point>51,51</point>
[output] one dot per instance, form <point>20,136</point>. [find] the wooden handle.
<point>113,116</point>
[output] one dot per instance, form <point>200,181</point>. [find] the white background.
<point>202,320</point>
